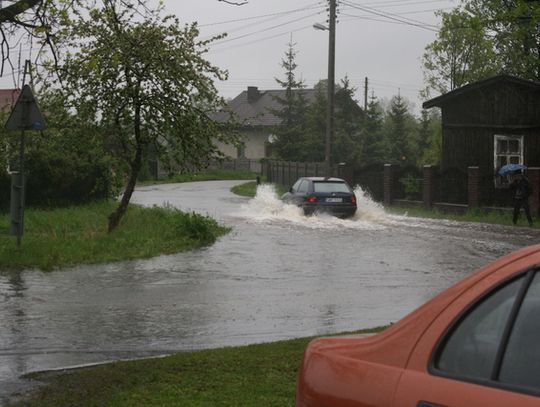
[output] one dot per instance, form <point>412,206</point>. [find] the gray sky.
<point>381,39</point>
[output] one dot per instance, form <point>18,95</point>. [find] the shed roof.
<point>456,93</point>
<point>254,107</point>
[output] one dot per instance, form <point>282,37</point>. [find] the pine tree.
<point>348,145</point>
<point>397,134</point>
<point>372,135</point>
<point>314,143</point>
<point>290,132</point>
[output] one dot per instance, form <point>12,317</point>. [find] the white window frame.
<point>503,181</point>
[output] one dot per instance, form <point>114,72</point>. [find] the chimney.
<point>252,94</point>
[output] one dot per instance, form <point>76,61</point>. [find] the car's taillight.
<point>353,199</point>
<point>311,199</point>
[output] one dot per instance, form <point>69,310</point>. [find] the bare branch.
<point>234,3</point>
<point>9,13</point>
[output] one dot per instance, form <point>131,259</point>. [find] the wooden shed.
<point>490,123</point>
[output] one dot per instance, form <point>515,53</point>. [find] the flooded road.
<point>277,275</point>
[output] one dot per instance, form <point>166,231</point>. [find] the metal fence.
<point>287,172</point>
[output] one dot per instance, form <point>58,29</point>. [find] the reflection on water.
<point>277,275</point>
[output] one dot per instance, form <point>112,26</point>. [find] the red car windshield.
<point>329,187</point>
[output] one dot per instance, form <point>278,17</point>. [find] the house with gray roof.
<point>253,109</point>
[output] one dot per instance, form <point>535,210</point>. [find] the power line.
<point>386,14</point>
<point>398,3</point>
<point>367,18</point>
<point>394,17</point>
<point>281,13</point>
<point>261,39</point>
<point>266,29</point>
<point>261,22</point>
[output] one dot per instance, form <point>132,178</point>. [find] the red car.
<point>475,344</point>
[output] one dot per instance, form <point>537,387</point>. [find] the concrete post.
<point>533,174</point>
<point>428,187</point>
<point>473,183</point>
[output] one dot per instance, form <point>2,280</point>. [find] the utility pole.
<point>331,80</point>
<point>365,94</point>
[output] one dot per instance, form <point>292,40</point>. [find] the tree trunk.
<point>136,164</point>
<point>116,216</point>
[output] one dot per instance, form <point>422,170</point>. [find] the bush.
<point>197,227</point>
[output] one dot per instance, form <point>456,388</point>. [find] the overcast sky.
<point>379,39</point>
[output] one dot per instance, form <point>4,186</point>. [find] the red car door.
<point>482,350</point>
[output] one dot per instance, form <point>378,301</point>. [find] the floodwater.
<point>277,275</point>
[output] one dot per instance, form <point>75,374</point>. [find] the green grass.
<point>69,236</point>
<point>210,175</point>
<point>249,189</point>
<point>247,376</point>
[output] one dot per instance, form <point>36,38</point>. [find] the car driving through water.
<point>322,194</point>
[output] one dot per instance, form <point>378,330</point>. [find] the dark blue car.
<point>319,194</point>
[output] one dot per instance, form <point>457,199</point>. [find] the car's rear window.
<point>328,186</point>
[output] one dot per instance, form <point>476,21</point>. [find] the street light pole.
<point>331,74</point>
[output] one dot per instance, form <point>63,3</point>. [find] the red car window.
<point>470,350</point>
<point>521,362</point>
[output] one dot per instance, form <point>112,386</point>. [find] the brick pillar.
<point>428,187</point>
<point>473,187</point>
<point>389,182</point>
<point>533,174</point>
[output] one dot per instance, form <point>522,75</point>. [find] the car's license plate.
<point>334,199</point>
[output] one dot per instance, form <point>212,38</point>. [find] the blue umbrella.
<point>508,168</point>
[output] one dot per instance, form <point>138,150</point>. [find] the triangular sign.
<point>26,114</point>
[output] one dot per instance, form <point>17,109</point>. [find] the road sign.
<point>26,114</point>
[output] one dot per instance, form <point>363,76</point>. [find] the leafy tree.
<point>143,79</point>
<point>66,164</point>
<point>292,112</point>
<point>514,27</point>
<point>463,52</point>
<point>484,37</point>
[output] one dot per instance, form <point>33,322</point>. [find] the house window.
<point>241,150</point>
<point>508,150</point>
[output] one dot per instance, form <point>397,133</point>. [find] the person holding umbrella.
<point>520,187</point>
<point>521,192</point>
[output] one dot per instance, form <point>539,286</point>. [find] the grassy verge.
<point>255,375</point>
<point>211,175</point>
<point>69,236</point>
<point>249,189</point>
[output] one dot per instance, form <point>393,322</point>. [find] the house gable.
<point>254,107</point>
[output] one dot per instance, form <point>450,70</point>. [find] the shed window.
<point>508,150</point>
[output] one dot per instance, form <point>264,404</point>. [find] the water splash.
<point>368,209</point>
<point>267,207</point>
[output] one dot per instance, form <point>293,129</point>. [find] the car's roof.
<point>329,179</point>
